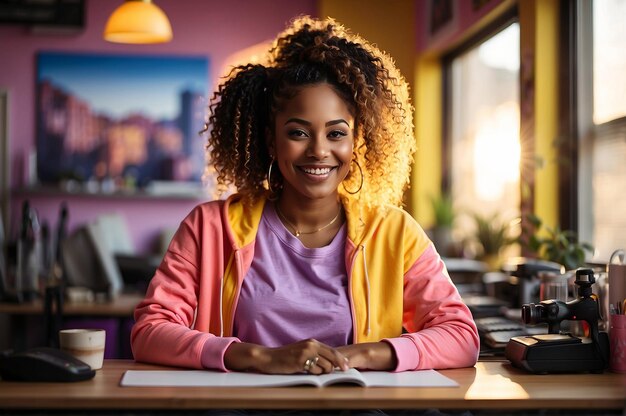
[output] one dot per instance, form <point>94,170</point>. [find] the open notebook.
<point>199,378</point>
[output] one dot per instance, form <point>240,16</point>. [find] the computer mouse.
<point>43,364</point>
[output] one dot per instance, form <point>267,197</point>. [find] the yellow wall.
<point>546,110</point>
<point>539,37</point>
<point>426,173</point>
<point>388,24</point>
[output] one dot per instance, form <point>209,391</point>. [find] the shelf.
<point>53,191</point>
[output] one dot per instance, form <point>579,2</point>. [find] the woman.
<point>311,266</point>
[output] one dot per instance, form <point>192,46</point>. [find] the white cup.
<point>86,345</point>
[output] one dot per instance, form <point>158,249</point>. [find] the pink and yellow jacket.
<point>397,282</point>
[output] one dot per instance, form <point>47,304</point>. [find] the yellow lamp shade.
<point>138,21</point>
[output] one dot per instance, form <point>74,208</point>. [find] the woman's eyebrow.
<point>308,123</point>
<point>338,121</point>
<point>298,120</point>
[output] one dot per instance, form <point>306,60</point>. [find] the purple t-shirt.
<point>292,292</point>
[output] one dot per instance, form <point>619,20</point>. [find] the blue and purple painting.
<point>126,119</point>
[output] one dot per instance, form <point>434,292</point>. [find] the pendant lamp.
<point>138,21</point>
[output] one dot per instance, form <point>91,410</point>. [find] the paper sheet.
<point>199,378</point>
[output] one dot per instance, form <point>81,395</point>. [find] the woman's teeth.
<point>317,171</point>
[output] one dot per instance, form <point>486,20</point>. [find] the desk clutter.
<point>97,257</point>
<point>617,311</point>
<point>526,316</point>
<point>51,279</point>
<point>557,351</point>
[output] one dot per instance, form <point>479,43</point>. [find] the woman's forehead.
<point>314,99</point>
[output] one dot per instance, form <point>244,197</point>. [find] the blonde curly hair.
<point>312,51</point>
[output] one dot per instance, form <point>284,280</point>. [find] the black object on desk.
<point>482,306</point>
<point>496,331</point>
<point>137,271</point>
<point>53,313</point>
<point>559,353</point>
<point>525,275</point>
<point>43,364</point>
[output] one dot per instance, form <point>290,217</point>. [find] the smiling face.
<point>314,135</point>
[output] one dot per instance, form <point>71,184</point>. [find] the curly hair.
<point>312,51</point>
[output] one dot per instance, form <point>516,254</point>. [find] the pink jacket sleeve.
<point>441,330</point>
<point>163,332</point>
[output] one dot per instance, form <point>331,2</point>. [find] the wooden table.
<point>489,385</point>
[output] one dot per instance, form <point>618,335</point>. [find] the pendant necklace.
<point>295,229</point>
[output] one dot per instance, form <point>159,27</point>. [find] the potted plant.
<point>441,232</point>
<point>560,246</point>
<point>492,235</point>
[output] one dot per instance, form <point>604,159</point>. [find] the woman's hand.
<point>370,355</point>
<point>288,359</point>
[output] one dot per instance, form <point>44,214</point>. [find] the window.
<point>482,143</point>
<point>609,60</point>
<point>602,127</point>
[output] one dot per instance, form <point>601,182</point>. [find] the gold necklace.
<point>295,229</point>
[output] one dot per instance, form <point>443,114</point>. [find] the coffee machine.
<point>557,352</point>
<point>524,277</point>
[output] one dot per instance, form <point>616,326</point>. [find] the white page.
<point>200,378</point>
<point>197,378</point>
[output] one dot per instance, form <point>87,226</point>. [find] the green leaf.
<point>443,210</point>
<point>534,220</point>
<point>534,244</point>
<point>570,261</point>
<point>492,233</point>
<point>587,246</point>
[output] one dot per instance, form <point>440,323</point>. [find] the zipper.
<point>351,272</point>
<point>367,281</point>
<point>239,268</point>
<point>226,273</point>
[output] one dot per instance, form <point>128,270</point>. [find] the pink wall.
<point>463,17</point>
<point>215,29</point>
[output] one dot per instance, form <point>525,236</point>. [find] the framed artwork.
<point>112,122</point>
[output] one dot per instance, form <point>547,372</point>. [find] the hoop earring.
<point>269,181</point>
<point>360,185</point>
